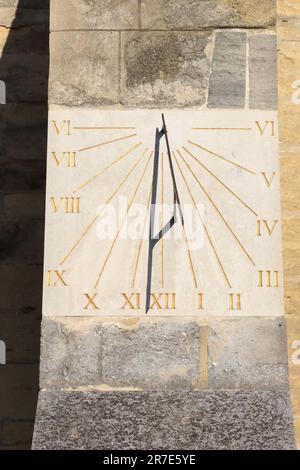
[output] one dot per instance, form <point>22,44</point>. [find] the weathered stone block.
<point>84,68</point>
<point>164,68</point>
<point>87,352</point>
<point>94,14</point>
<point>248,353</point>
<point>195,14</point>
<point>227,420</point>
<point>263,72</point>
<point>160,355</point>
<point>71,353</point>
<point>227,84</point>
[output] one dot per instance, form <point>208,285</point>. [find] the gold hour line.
<point>218,211</point>
<point>188,249</point>
<point>221,157</point>
<point>128,208</point>
<point>107,142</point>
<point>141,241</point>
<point>220,181</point>
<point>205,228</point>
<point>103,128</point>
<point>89,226</point>
<point>190,258</point>
<point>162,205</point>
<point>106,168</point>
<point>222,128</point>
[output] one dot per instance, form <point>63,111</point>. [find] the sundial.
<point>163,213</point>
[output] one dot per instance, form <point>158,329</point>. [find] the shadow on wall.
<point>24,64</point>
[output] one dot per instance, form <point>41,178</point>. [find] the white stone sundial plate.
<point>226,260</point>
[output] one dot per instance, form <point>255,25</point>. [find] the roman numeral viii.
<point>68,205</point>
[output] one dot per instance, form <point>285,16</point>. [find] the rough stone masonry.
<point>167,383</point>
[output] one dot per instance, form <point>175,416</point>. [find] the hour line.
<point>222,128</point>
<point>218,211</point>
<point>221,157</point>
<point>162,220</point>
<point>205,227</point>
<point>190,258</point>
<point>220,181</point>
<point>188,250</point>
<point>106,168</point>
<point>124,218</point>
<point>104,128</point>
<point>141,241</point>
<point>89,226</point>
<point>107,142</point>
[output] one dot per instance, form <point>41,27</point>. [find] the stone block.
<point>23,131</point>
<point>288,29</point>
<point>84,68</point>
<point>288,8</point>
<point>225,420</point>
<point>290,185</point>
<point>191,14</point>
<point>291,300</point>
<point>263,72</point>
<point>71,353</point>
<point>160,355</point>
<point>227,84</point>
<point>94,14</point>
<point>87,352</point>
<point>248,353</point>
<point>293,329</point>
<point>291,261</point>
<point>289,92</point>
<point>165,68</point>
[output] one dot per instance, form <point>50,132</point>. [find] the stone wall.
<point>144,53</point>
<point>184,53</point>
<point>163,53</point>
<point>24,31</point>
